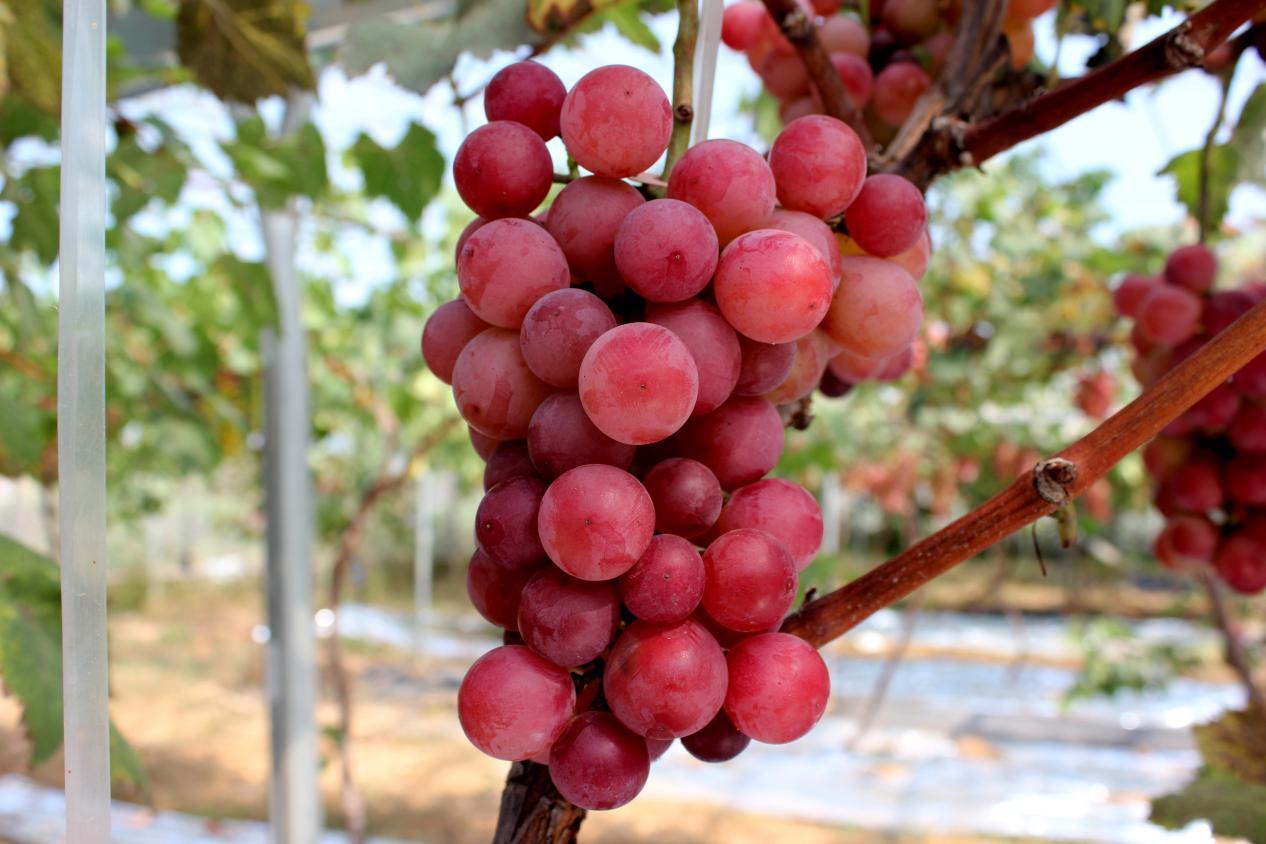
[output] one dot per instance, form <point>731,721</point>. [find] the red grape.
<point>596,521</point>
<point>1248,430</point>
<point>1246,480</point>
<point>813,352</point>
<point>666,250</point>
<point>1186,542</point>
<point>719,741</point>
<point>739,441</point>
<point>897,88</point>
<point>503,169</point>
<point>506,266</point>
<point>712,343</point>
<point>1129,294</point>
<point>616,121</point>
<point>853,369</point>
<point>495,391</point>
<point>1241,562</point>
<point>773,286</point>
<point>561,437</point>
<point>911,21</point>
<point>877,309</point>
<point>840,33</point>
<point>527,93</point>
<point>888,216</point>
<point>686,495</point>
<point>778,687</point>
<point>471,227</point>
<point>1196,487</point>
<point>742,25</point>
<point>568,621</point>
<point>814,231</point>
<point>512,704</point>
<point>657,747</point>
<point>856,75</point>
<point>447,331</point>
<point>508,460</point>
<point>1194,267</point>
<point>665,680</point>
<point>666,584</point>
<point>495,591</point>
<point>557,332</point>
<point>750,580</point>
<point>638,383</point>
<point>1222,309</point>
<point>483,444</point>
<point>818,164</point>
<point>1168,315</point>
<point>729,182</point>
<point>1251,380</point>
<point>505,523</point>
<point>765,366</point>
<point>783,509</point>
<point>597,763</point>
<point>584,219</point>
<point>1165,455</point>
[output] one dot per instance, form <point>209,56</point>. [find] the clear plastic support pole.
<point>706,72</point>
<point>81,424</point>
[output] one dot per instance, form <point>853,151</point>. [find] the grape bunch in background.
<point>621,361</point>
<point>885,63</point>
<point>1209,465</point>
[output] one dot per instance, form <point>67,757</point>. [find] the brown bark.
<point>532,810</point>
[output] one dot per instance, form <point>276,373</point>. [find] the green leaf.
<point>35,227</point>
<point>21,436</point>
<point>245,50</point>
<point>408,175</point>
<point>20,119</point>
<point>1233,807</point>
<point>1236,744</point>
<point>1249,137</point>
<point>280,168</point>
<point>1224,166</point>
<point>141,173</point>
<point>627,20</point>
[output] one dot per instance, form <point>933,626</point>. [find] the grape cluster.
<point>620,361</point>
<point>885,63</point>
<point>1209,465</point>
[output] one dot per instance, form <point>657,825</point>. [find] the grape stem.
<point>1031,496</point>
<point>1232,647</point>
<point>683,81</point>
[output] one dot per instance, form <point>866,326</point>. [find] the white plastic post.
<point>706,70</point>
<point>81,424</point>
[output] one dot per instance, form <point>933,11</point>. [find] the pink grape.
<point>1165,455</point>
<point>527,93</point>
<point>596,521</point>
<point>1168,315</point>
<point>1248,430</point>
<point>750,580</point>
<point>513,704</point>
<point>856,75</point>
<point>558,330</point>
<point>503,169</point>
<point>506,266</point>
<point>638,383</point>
<point>814,231</point>
<point>1222,309</point>
<point>1129,294</point>
<point>742,24</point>
<point>584,219</point>
<point>495,391</point>
<point>665,680</point>
<point>1186,542</point>
<point>508,460</point>
<point>784,75</point>
<point>772,286</point>
<point>853,369</point>
<point>813,351</point>
<point>666,250</point>
<point>739,441</point>
<point>561,437</point>
<point>1241,562</point>
<point>483,444</point>
<point>1246,480</point>
<point>471,227</point>
<point>687,496</point>
<point>447,331</point>
<point>818,164</point>
<point>1251,380</point>
<point>597,763</point>
<point>719,741</point>
<point>888,216</point>
<point>729,182</point>
<point>712,343</point>
<point>778,687</point>
<point>495,591</point>
<point>897,88</point>
<point>1194,267</point>
<point>657,747</point>
<point>789,110</point>
<point>666,584</point>
<point>840,33</point>
<point>1216,410</point>
<point>765,366</point>
<point>877,309</point>
<point>915,259</point>
<point>568,621</point>
<point>505,523</point>
<point>616,121</point>
<point>1197,486</point>
<point>783,509</point>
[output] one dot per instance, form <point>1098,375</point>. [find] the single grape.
<point>840,33</point>
<point>1196,487</point>
<point>616,121</point>
<point>597,763</point>
<point>911,21</point>
<point>638,383</point>
<point>596,521</point>
<point>764,366</point>
<point>495,391</point>
<point>561,437</point>
<point>513,704</point>
<point>446,333</point>
<point>784,75</point>
<point>657,747</point>
<point>471,227</point>
<point>739,441</point>
<point>813,351</point>
<point>1168,315</point>
<point>877,310</point>
<point>856,75</point>
<point>897,88</point>
<point>568,621</point>
<point>781,508</point>
<point>814,231</point>
<point>742,25</point>
<point>1194,267</point>
<point>789,110</point>
<point>483,444</point>
<point>832,386</point>
<point>558,330</point>
<point>1130,292</point>
<point>503,169</point>
<point>750,580</point>
<point>888,216</point>
<point>528,93</point>
<point>687,496</point>
<point>854,369</point>
<point>772,286</point>
<point>665,680</point>
<point>712,343</point>
<point>729,182</point>
<point>1222,309</point>
<point>666,250</point>
<point>505,523</point>
<point>506,266</point>
<point>584,219</point>
<point>1215,412</point>
<point>508,460</point>
<point>1246,480</point>
<point>1186,543</point>
<point>719,741</point>
<point>819,164</point>
<point>666,584</point>
<point>1251,380</point>
<point>1165,455</point>
<point>1241,562</point>
<point>778,687</point>
<point>495,590</point>
<point>1247,431</point>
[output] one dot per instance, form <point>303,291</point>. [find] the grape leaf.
<point>550,16</point>
<point>408,174</point>
<point>35,226</point>
<point>627,20</point>
<point>1224,167</point>
<point>245,50</point>
<point>279,168</point>
<point>1235,744</point>
<point>1233,807</point>
<point>1249,137</point>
